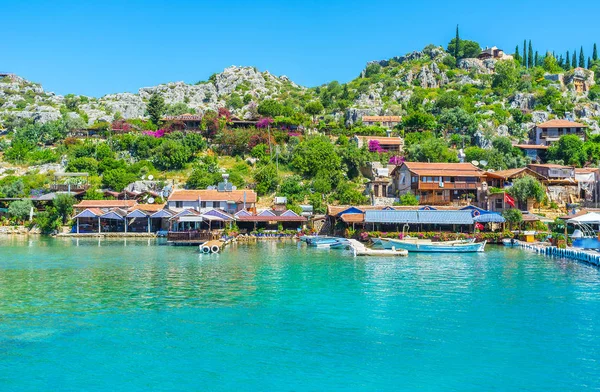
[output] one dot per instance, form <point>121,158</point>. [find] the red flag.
<point>509,200</point>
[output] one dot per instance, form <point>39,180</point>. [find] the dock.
<point>591,257</point>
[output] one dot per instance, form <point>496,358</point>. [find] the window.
<point>414,179</point>
<point>499,204</point>
<point>178,204</point>
<point>203,204</point>
<point>447,179</point>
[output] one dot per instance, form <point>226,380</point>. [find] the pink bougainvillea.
<point>264,122</point>
<point>396,160</point>
<point>158,134</point>
<point>374,146</point>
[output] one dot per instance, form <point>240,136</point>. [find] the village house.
<point>497,184</point>
<point>561,184</point>
<point>588,183</point>
<point>550,131</point>
<point>374,143</point>
<point>204,199</point>
<point>494,53</point>
<point>438,183</point>
<point>383,121</point>
<point>184,122</point>
<point>535,152</point>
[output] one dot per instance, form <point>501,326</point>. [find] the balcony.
<point>426,186</point>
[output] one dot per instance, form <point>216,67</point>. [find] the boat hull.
<point>438,247</point>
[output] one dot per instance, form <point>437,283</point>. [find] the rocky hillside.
<point>429,80</point>
<point>240,87</point>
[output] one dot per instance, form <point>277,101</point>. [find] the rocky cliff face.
<point>21,98</point>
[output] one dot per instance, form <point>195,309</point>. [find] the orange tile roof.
<point>381,118</point>
<point>148,207</point>
<point>511,173</point>
<point>353,218</point>
<point>214,195</point>
<point>443,169</point>
<point>561,124</point>
<point>105,204</point>
<point>383,140</point>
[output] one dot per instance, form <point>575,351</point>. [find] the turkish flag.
<point>509,200</point>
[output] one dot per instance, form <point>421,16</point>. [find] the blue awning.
<point>435,217</point>
<point>489,218</point>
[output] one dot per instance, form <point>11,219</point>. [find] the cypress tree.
<point>525,53</point>
<point>574,59</point>
<point>561,61</point>
<point>567,62</point>
<point>581,58</point>
<point>517,54</point>
<point>530,56</point>
<point>589,63</point>
<point>536,61</point>
<point>456,45</point>
<point>595,53</point>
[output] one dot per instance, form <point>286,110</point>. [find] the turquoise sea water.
<point>133,316</point>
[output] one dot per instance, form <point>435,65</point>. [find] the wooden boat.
<point>418,245</point>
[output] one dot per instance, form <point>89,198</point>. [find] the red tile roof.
<point>561,124</point>
<point>106,204</point>
<point>148,207</point>
<point>353,218</point>
<point>275,218</point>
<point>214,195</point>
<point>443,169</point>
<point>383,140</point>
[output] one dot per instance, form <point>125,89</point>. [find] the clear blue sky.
<point>101,47</point>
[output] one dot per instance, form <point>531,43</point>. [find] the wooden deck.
<point>191,237</point>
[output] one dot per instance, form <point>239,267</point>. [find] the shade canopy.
<point>435,217</point>
<point>489,218</point>
<point>589,218</point>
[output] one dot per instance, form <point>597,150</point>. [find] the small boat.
<point>322,241</point>
<point>381,252</point>
<point>341,243</point>
<point>359,249</point>
<point>418,245</point>
<point>509,242</point>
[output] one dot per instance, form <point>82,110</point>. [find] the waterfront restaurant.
<point>230,201</point>
<point>143,218</point>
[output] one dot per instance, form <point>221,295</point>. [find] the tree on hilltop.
<point>595,53</point>
<point>530,56</point>
<point>525,53</point>
<point>574,59</point>
<point>581,58</point>
<point>156,108</point>
<point>517,55</point>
